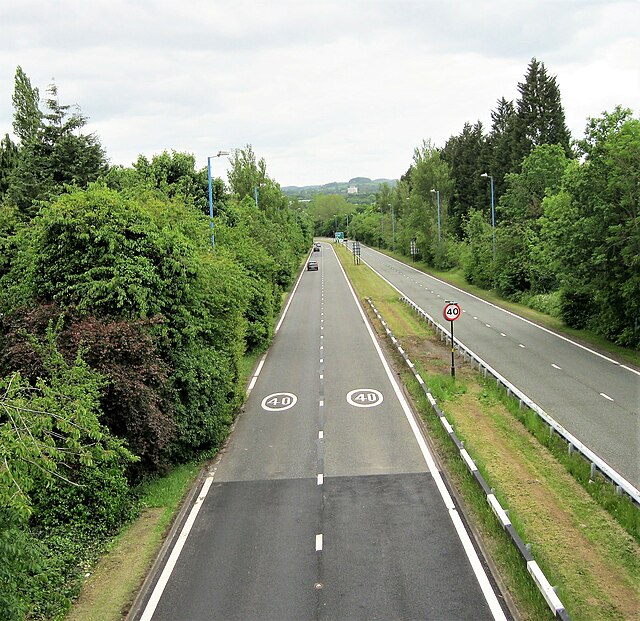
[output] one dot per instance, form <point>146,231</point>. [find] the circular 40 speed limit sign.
<point>451,311</point>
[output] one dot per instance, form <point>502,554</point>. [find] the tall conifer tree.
<point>540,116</point>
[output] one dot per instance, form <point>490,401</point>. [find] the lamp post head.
<point>220,153</point>
<point>484,175</point>
<point>433,190</point>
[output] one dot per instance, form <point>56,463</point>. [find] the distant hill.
<point>365,187</point>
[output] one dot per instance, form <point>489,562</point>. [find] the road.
<point>595,398</point>
<point>326,503</point>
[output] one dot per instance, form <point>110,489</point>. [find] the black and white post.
<point>451,312</point>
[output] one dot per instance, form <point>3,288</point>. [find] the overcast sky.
<point>323,90</point>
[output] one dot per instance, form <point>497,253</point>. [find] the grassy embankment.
<point>592,559</point>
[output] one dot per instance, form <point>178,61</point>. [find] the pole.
<point>453,361</point>
<point>438,199</point>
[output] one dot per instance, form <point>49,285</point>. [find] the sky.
<point>322,90</point>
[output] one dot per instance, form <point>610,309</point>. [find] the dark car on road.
<point>312,266</point>
<point>316,248</point>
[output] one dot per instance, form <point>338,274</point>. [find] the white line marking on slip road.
<point>521,345</point>
<point>319,542</point>
<point>606,396</point>
<point>555,366</point>
<point>320,479</point>
<point>320,435</point>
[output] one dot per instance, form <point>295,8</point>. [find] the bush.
<point>134,401</point>
<point>576,306</point>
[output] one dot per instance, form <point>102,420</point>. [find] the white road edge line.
<point>472,555</point>
<point>286,308</point>
<point>175,553</point>
<point>475,297</point>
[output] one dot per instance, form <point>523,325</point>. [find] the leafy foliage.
<point>51,440</point>
<point>52,153</point>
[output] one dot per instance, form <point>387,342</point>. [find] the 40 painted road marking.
<point>364,397</point>
<point>279,401</point>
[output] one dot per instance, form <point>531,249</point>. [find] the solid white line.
<point>175,553</point>
<point>606,396</point>
<point>472,555</point>
<point>319,542</point>
<point>286,308</point>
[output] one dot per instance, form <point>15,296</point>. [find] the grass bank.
<point>592,560</point>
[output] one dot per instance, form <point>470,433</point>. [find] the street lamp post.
<point>493,215</point>
<point>437,193</point>
<point>219,154</point>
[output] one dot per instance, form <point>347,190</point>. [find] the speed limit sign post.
<point>451,312</point>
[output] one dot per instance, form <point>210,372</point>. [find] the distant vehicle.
<point>316,248</point>
<point>312,266</point>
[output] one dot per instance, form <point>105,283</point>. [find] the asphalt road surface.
<point>595,398</point>
<point>326,503</point>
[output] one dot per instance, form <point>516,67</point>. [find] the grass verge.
<point>581,548</point>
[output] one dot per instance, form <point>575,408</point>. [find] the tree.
<point>52,153</point>
<point>27,117</point>
<point>591,232</point>
<point>8,161</point>
<point>246,172</point>
<point>540,116</point>
<point>501,144</point>
<point>51,438</point>
<point>466,155</point>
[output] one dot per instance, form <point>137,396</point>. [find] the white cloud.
<point>323,91</point>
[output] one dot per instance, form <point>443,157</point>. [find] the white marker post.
<point>451,313</point>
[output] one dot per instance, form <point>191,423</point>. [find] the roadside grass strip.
<point>543,584</point>
<point>614,493</point>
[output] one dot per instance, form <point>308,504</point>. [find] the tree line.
<point>122,331</point>
<point>526,210</point>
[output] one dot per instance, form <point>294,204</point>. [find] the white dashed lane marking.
<point>606,396</point>
<point>555,366</point>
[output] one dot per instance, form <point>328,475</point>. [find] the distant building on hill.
<point>352,189</point>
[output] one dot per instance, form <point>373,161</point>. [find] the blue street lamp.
<point>219,154</point>
<point>437,193</point>
<point>493,215</point>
